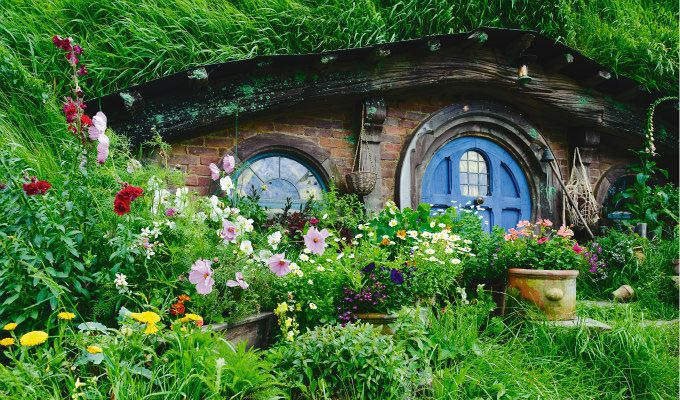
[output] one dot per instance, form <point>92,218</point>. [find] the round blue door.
<point>471,171</point>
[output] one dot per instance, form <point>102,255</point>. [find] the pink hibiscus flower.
<point>228,163</point>
<point>565,232</point>
<point>278,264</point>
<point>229,231</point>
<point>214,171</point>
<point>544,222</point>
<point>201,276</point>
<point>315,240</point>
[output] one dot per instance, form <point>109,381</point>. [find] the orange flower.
<point>401,234</point>
<point>385,241</point>
<point>182,298</point>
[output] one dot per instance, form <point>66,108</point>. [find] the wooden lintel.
<point>599,78</point>
<point>559,62</point>
<point>434,45</point>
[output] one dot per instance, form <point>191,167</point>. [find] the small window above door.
<point>474,174</point>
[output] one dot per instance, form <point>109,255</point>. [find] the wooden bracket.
<point>588,144</point>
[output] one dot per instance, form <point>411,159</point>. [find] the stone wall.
<point>331,128</point>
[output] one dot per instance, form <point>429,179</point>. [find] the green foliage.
<point>174,364</point>
<point>354,362</point>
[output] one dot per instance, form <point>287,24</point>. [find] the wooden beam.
<point>559,62</point>
<point>178,112</point>
<point>517,47</point>
<point>477,38</point>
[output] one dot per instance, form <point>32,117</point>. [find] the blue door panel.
<point>468,167</point>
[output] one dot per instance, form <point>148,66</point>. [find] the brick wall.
<point>330,126</point>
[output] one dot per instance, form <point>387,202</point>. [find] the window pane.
<point>474,176</point>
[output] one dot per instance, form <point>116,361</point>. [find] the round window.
<point>279,178</point>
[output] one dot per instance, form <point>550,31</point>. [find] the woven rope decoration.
<point>578,187</point>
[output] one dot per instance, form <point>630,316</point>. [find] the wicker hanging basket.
<point>579,189</point>
<point>363,178</point>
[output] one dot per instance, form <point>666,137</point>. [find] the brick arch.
<point>306,150</point>
<point>607,180</point>
<point>493,121</point>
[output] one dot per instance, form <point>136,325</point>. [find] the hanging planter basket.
<point>363,180</point>
<point>579,189</point>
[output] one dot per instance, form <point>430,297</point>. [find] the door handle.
<point>479,200</point>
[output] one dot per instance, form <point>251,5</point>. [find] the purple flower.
<point>228,163</point>
<point>369,268</point>
<point>396,276</point>
<point>238,282</point>
<point>214,171</point>
<point>278,264</point>
<point>201,276</point>
<point>315,240</point>
<point>98,126</point>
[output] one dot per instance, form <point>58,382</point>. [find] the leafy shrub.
<point>354,362</point>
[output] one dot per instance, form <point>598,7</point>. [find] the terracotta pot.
<point>552,291</point>
<point>257,330</point>
<point>623,293</point>
<point>676,266</point>
<point>379,320</point>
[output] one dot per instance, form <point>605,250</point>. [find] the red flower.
<point>121,204</point>
<point>36,187</point>
<point>542,240</point>
<point>177,309</point>
<point>314,221</point>
<point>70,110</point>
<point>85,120</point>
<point>577,248</point>
<point>82,70</point>
<point>64,44</point>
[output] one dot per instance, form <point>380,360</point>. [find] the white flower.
<point>412,234</point>
<point>448,250</point>
<point>351,255</point>
<point>429,251</point>
<point>181,199</point>
<point>311,282</point>
<point>133,165</point>
<point>432,224</point>
<point>274,239</point>
<point>455,261</point>
<point>244,224</point>
<point>312,306</point>
<point>160,198</point>
<point>359,235</point>
<point>299,273</point>
<point>361,227</point>
<point>263,255</point>
<point>306,251</point>
<point>340,256</point>
<point>334,239</point>
<point>371,234</point>
<point>294,267</point>
<point>324,216</point>
<point>226,185</point>
<point>303,257</point>
<point>320,268</point>
<point>246,247</point>
<point>467,241</point>
<point>200,217</point>
<point>120,281</point>
<point>441,225</point>
<point>393,223</point>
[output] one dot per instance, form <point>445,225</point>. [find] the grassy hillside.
<point>133,41</point>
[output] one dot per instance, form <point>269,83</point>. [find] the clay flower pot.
<point>552,291</point>
<point>379,320</point>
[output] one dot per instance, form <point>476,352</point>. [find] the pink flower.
<point>214,171</point>
<point>545,222</point>
<point>314,221</point>
<point>522,224</point>
<point>238,282</point>
<point>201,276</point>
<point>565,232</point>
<point>102,149</point>
<point>512,234</point>
<point>228,163</point>
<point>578,249</point>
<point>229,231</point>
<point>542,240</point>
<point>315,241</point>
<point>98,126</point>
<point>278,264</point>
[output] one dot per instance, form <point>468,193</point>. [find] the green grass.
<point>133,41</point>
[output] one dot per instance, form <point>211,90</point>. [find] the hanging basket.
<point>361,182</point>
<point>579,189</point>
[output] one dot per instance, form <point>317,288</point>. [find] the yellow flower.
<point>150,329</point>
<point>33,338</point>
<point>7,341</point>
<point>191,317</point>
<point>385,241</point>
<point>10,326</point>
<point>281,308</point>
<point>94,349</point>
<point>401,234</point>
<point>146,317</point>
<point>66,315</point>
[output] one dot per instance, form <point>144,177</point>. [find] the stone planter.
<point>552,291</point>
<point>257,330</point>
<point>379,320</point>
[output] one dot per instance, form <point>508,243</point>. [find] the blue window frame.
<point>279,176</point>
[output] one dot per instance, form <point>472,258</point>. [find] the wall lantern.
<point>523,74</point>
<point>547,156</point>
